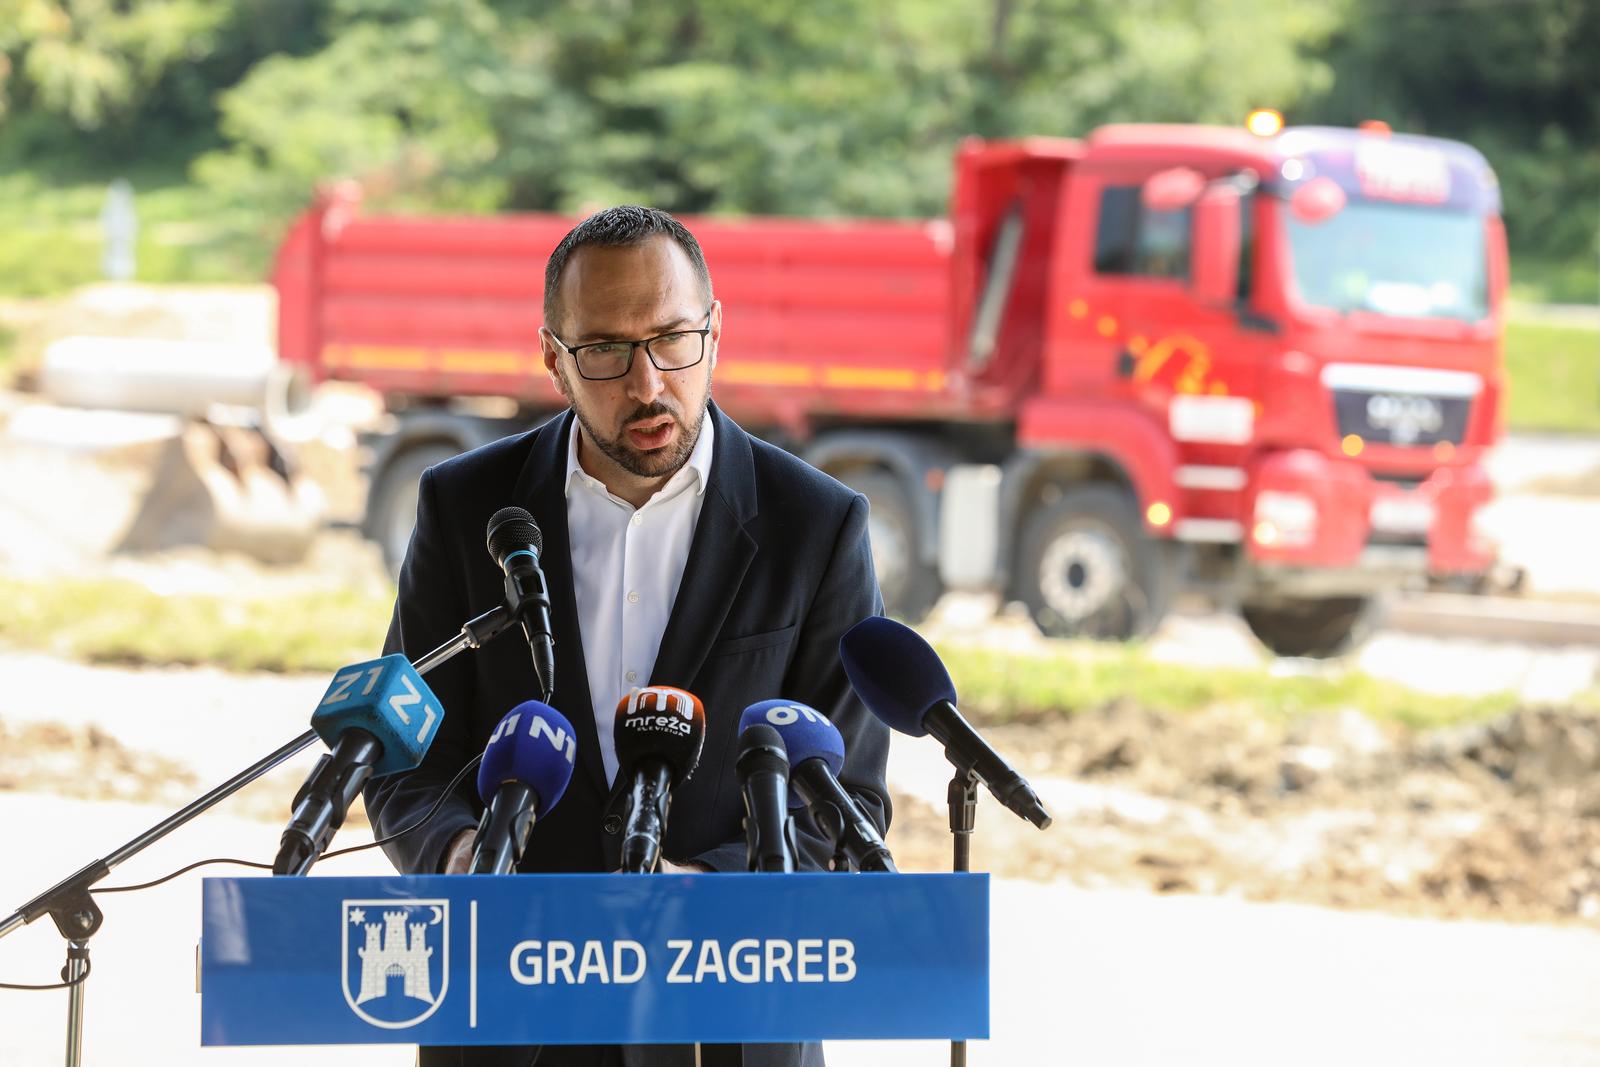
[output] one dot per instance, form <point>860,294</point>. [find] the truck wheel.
<point>1087,569</point>
<point>910,587</point>
<point>1318,629</point>
<point>392,501</point>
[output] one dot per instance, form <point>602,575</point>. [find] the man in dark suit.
<point>678,551</point>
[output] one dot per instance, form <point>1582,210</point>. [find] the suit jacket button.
<point>612,825</point>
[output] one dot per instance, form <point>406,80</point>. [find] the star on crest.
<point>357,916</point>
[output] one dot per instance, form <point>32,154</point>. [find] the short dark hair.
<point>616,227</point>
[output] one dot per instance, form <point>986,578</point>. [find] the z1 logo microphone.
<point>378,718</point>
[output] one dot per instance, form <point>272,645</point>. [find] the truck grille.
<point>1404,419</point>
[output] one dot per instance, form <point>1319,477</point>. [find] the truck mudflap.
<point>1308,510</point>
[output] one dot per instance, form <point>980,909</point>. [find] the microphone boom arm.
<point>64,900</point>
<point>70,902</point>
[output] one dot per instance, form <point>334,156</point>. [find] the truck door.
<point>1196,362</point>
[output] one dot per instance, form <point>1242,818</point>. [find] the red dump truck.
<point>1160,358</point>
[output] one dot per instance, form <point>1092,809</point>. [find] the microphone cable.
<point>87,966</point>
<point>429,814</point>
<point>471,765</point>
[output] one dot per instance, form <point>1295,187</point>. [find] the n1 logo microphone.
<point>899,677</point>
<point>525,770</point>
<point>816,756</point>
<point>378,718</point>
<point>658,734</point>
<point>516,543</point>
<point>763,769</point>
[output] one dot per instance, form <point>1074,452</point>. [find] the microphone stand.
<point>963,798</point>
<point>72,907</point>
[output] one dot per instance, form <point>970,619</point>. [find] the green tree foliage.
<point>1520,79</point>
<point>395,99</point>
<point>836,107</point>
<point>108,79</point>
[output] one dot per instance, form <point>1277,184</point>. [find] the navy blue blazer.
<point>779,567</point>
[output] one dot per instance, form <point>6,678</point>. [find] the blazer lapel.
<point>719,555</point>
<point>541,488</point>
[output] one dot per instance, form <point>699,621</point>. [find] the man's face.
<point>646,422</point>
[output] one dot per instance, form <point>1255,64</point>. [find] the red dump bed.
<point>853,315</point>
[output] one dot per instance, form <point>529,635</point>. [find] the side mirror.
<point>1318,200</point>
<point>1173,189</point>
<point>1214,255</point>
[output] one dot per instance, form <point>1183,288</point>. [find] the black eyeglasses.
<point>605,360</point>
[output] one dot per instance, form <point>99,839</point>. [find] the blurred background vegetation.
<point>226,114</point>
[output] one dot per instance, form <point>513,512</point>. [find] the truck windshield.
<point>1393,259</point>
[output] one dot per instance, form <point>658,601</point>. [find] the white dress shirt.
<point>626,565</point>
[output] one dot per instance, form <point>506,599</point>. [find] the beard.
<point>653,463</point>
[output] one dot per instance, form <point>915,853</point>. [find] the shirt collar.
<point>698,467</point>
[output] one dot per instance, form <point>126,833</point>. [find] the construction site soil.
<point>1495,820</point>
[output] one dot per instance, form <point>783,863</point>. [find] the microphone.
<point>525,770</point>
<point>378,718</point>
<point>899,677</point>
<point>816,755</point>
<point>658,734</point>
<point>515,543</point>
<point>764,778</point>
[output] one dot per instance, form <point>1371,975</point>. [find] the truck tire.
<point>1086,568</point>
<point>910,586</point>
<point>1317,629</point>
<point>392,501</point>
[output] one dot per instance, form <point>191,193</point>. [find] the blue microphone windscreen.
<point>388,699</point>
<point>806,732</point>
<point>535,745</point>
<point>895,672</point>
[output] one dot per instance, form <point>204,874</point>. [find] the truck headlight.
<point>1284,519</point>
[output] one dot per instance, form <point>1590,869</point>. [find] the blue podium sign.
<point>594,958</point>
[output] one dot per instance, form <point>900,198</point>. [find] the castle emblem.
<point>396,959</point>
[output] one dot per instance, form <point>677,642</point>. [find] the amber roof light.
<point>1264,121</point>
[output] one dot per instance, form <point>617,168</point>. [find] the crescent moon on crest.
<point>438,915</point>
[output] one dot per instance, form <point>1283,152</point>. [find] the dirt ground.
<point>1499,820</point>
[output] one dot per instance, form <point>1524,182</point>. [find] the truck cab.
<point>1284,354</point>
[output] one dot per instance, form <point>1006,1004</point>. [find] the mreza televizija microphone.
<point>747,961</point>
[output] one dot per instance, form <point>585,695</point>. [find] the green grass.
<point>121,622</point>
<point>50,234</point>
<point>1555,377</point>
<point>112,621</point>
<point>1538,281</point>
<point>1011,686</point>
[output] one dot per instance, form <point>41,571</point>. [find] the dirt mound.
<point>1500,819</point>
<point>88,764</point>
